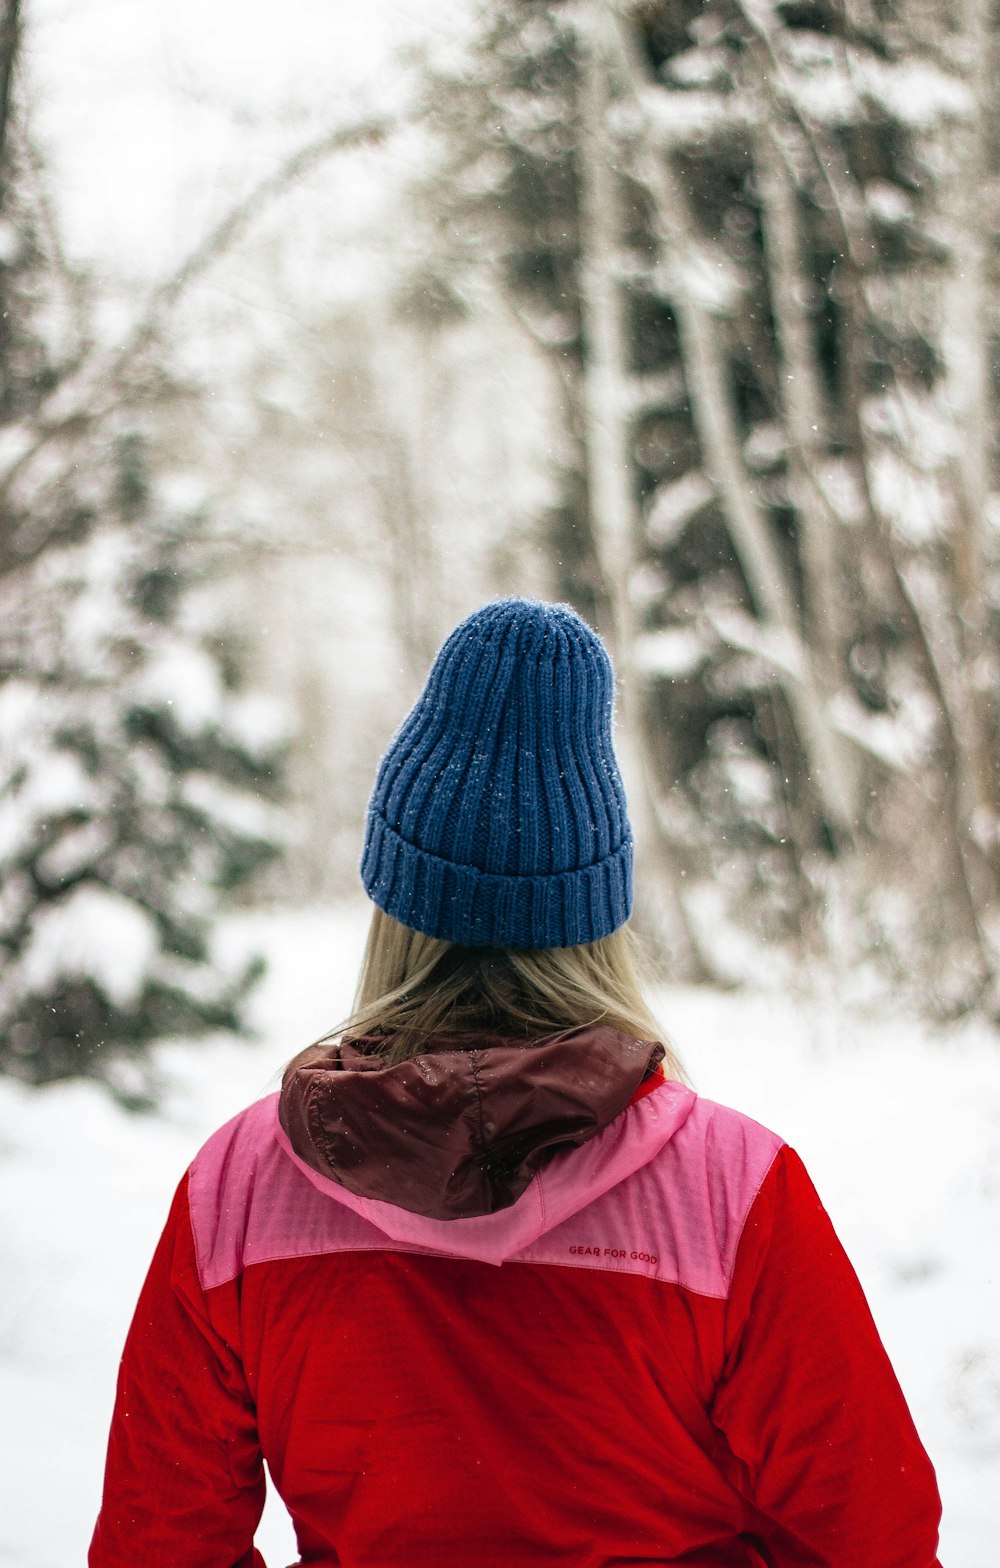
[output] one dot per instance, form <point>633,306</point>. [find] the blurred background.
<point>321,326</point>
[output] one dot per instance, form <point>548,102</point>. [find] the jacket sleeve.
<point>809,1405</point>
<point>184,1483</point>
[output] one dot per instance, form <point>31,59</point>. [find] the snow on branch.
<point>675,504</point>
<point>79,402</point>
<point>776,645</point>
<point>673,653</point>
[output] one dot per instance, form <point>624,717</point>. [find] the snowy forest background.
<point>684,311</point>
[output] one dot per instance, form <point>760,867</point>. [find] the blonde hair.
<point>413,987</point>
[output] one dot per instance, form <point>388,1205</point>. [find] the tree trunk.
<point>966,344</point>
<point>10,38</point>
<point>828,758</point>
<point>884,570</point>
<point>802,404</point>
<point>614,517</point>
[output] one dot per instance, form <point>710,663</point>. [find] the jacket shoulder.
<point>250,1202</point>
<point>222,1179</point>
<point>685,1210</point>
<point>678,1216</point>
<point>726,1157</point>
<point>738,1150</point>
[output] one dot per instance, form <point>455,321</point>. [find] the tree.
<point>135,778</point>
<point>729,226</point>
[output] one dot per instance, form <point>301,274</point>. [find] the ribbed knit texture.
<point>498,817</point>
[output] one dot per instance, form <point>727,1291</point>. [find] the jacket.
<point>605,1321</point>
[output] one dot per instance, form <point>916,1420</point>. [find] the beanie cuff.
<point>457,903</point>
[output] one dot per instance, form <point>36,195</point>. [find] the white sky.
<point>154,113</point>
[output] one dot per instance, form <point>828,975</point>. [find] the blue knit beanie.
<point>498,817</point>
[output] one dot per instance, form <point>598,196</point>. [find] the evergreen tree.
<point>136,780</point>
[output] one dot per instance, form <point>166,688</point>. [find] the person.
<point>488,1284</point>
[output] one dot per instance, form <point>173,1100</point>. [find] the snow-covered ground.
<point>899,1127</point>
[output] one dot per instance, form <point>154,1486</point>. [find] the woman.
<point>487,1284</point>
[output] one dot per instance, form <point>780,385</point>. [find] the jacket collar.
<point>459,1130</point>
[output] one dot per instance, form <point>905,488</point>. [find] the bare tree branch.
<point>236,222</point>
<point>100,388</point>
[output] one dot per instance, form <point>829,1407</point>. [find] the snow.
<point>686,116</point>
<point>707,278</point>
<point>765,446</point>
<point>839,483</point>
<point>914,501</point>
<point>780,648</point>
<point>888,203</point>
<point>231,810</point>
<point>256,722</point>
<point>674,653</point>
<point>699,67</point>
<point>674,504</point>
<point>902,739</point>
<point>831,85</point>
<point>185,678</point>
<point>898,1125</point>
<point>15,440</point>
<point>55,780</point>
<point>92,932</point>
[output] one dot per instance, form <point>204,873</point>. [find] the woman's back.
<point>487,1285</point>
<point>612,1369</point>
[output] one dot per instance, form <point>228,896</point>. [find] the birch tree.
<point>612,400</point>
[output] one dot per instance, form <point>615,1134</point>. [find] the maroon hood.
<point>461,1129</point>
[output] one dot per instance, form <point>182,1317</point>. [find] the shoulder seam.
<point>204,1233</point>
<point>743,1223</point>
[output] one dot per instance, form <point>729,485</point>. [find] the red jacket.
<point>658,1353</point>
